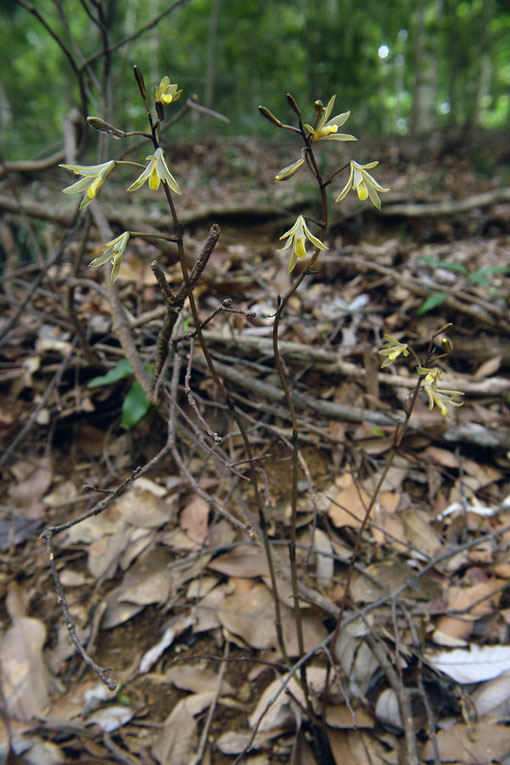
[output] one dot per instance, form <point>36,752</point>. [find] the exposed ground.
<point>166,595</point>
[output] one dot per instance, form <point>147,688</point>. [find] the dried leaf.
<point>488,368</point>
<point>325,562</point>
<point>176,627</point>
<point>244,561</point>
<point>474,665</point>
<point>111,718</point>
<point>25,678</point>
<point>177,742</point>
<point>33,482</point>
<point>196,677</point>
<point>278,713</point>
<point>481,742</point>
<point>194,519</point>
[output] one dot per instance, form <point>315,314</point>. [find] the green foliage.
<point>312,46</point>
<point>135,404</point>
<point>118,372</point>
<point>482,276</point>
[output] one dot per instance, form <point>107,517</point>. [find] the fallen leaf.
<point>467,744</point>
<point>177,741</point>
<point>244,561</point>
<point>25,679</point>
<point>474,665</point>
<point>33,482</point>
<point>194,519</point>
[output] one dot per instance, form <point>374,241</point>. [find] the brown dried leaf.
<point>488,368</point>
<point>33,482</point>
<point>197,678</point>
<point>250,614</point>
<point>177,742</point>
<point>25,678</point>
<point>245,561</point>
<point>144,508</point>
<point>481,742</point>
<point>194,519</point>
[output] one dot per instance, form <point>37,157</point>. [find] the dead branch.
<point>447,207</point>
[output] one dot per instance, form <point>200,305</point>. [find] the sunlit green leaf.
<point>118,372</point>
<point>135,406</point>
<point>431,302</point>
<point>444,264</point>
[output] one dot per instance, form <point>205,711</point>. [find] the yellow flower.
<point>290,170</point>
<point>392,351</point>
<point>155,172</point>
<point>365,185</point>
<point>438,396</point>
<point>296,238</point>
<point>327,129</point>
<point>113,251</point>
<point>93,178</point>
<point>166,93</point>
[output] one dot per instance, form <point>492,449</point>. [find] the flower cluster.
<point>438,396</point>
<point>93,177</point>
<point>324,128</point>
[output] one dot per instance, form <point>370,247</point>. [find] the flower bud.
<point>293,104</point>
<point>269,116</point>
<point>105,127</point>
<point>139,80</point>
<point>290,170</point>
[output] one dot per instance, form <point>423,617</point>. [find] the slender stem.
<point>223,392</point>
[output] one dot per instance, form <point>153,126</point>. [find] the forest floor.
<point>168,596</point>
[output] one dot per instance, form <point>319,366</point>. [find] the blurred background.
<point>405,67</point>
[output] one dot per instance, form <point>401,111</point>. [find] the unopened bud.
<point>319,107</point>
<point>290,170</point>
<point>160,111</point>
<point>293,104</point>
<point>269,116</point>
<point>105,127</point>
<point>139,80</point>
<point>447,345</point>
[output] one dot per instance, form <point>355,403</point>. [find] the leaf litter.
<point>157,584</point>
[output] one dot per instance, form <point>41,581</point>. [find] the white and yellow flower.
<point>296,237</point>
<point>327,129</point>
<point>93,178</point>
<point>438,396</point>
<point>363,183</point>
<point>155,172</point>
<point>112,251</point>
<point>166,92</point>
<point>392,351</point>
